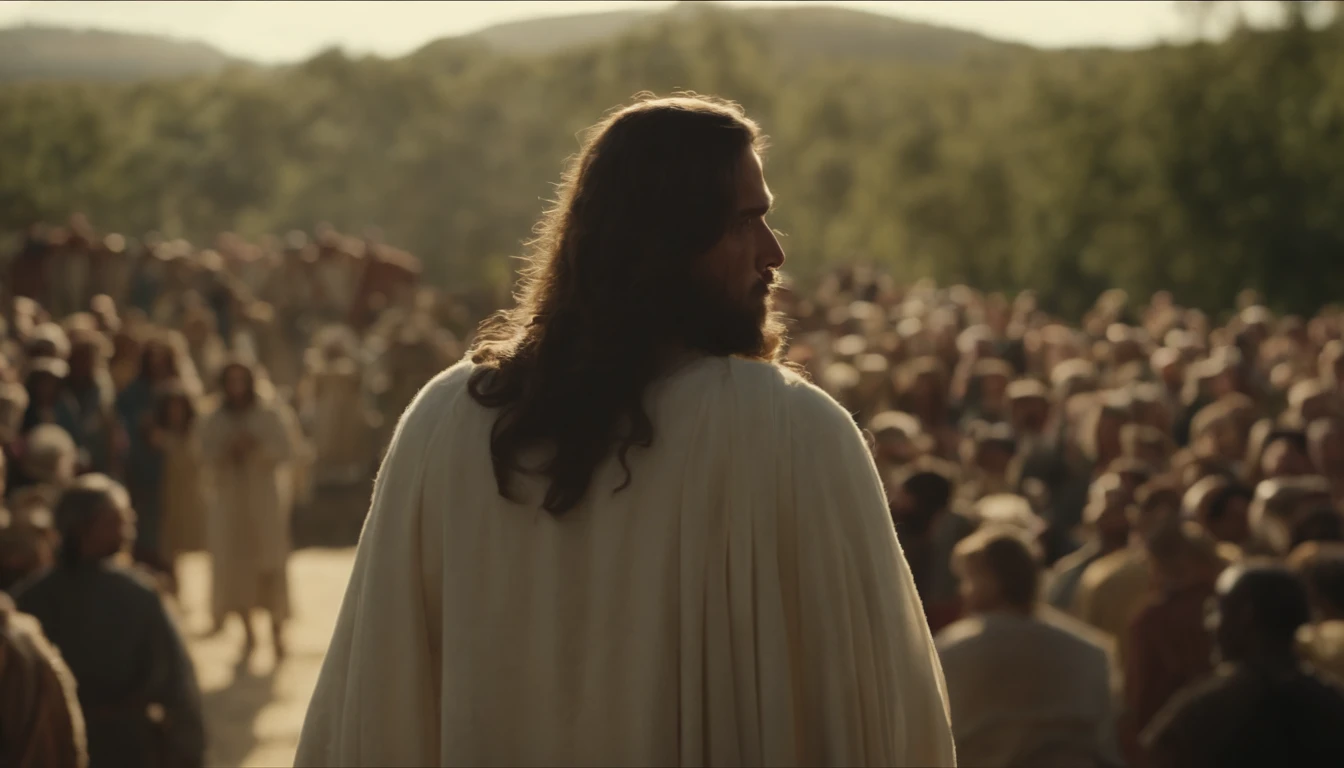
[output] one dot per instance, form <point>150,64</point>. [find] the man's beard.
<point>720,324</point>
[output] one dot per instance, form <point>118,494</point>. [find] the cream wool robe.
<point>743,602</point>
<point>247,528</point>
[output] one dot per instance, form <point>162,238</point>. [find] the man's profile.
<point>620,532</point>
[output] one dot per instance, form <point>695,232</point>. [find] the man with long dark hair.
<point>621,532</point>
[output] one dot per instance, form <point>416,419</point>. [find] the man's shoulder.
<point>1108,568</point>
<point>19,628</point>
<point>740,381</point>
<point>131,581</point>
<point>1200,702</point>
<point>801,399</point>
<point>444,389</point>
<point>1075,561</point>
<point>31,588</point>
<point>959,635</point>
<point>1074,632</point>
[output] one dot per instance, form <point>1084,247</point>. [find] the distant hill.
<point>60,53</point>
<point>794,31</point>
<point>548,34</point>
<point>797,33</point>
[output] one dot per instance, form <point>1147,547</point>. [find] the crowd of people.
<point>158,399</point>
<point>1069,497</point>
<point>1126,533</point>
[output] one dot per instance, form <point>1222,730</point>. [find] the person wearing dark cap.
<point>137,686</point>
<point>1263,706</point>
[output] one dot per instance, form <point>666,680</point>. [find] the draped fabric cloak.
<point>743,602</point>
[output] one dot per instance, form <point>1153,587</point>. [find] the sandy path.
<point>254,712</point>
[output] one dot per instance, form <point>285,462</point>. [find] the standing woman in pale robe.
<point>699,570</point>
<point>183,503</point>
<point>247,449</point>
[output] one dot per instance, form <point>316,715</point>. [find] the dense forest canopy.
<point>1200,169</point>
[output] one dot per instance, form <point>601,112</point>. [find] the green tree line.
<point>1201,169</point>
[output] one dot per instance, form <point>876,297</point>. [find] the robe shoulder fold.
<point>743,601</point>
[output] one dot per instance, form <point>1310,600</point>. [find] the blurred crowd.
<point>157,399</point>
<point>1126,532</point>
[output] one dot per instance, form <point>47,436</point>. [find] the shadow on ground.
<point>232,713</point>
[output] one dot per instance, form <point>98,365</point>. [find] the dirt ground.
<point>254,710</point>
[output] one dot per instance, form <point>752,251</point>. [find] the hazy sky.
<point>279,31</point>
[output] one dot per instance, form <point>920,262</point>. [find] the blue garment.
<point>85,414</point>
<point>144,465</point>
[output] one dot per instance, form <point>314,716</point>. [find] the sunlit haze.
<point>275,32</point>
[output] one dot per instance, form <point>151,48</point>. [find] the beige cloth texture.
<point>184,507</point>
<point>1112,590</point>
<point>42,721</point>
<point>247,528</point>
<point>743,602</point>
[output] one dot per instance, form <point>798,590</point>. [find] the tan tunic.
<point>1112,590</point>
<point>39,709</point>
<point>183,507</point>
<point>743,602</point>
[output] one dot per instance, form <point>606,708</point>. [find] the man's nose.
<point>772,255</point>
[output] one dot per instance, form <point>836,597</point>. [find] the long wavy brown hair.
<point>613,286</point>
